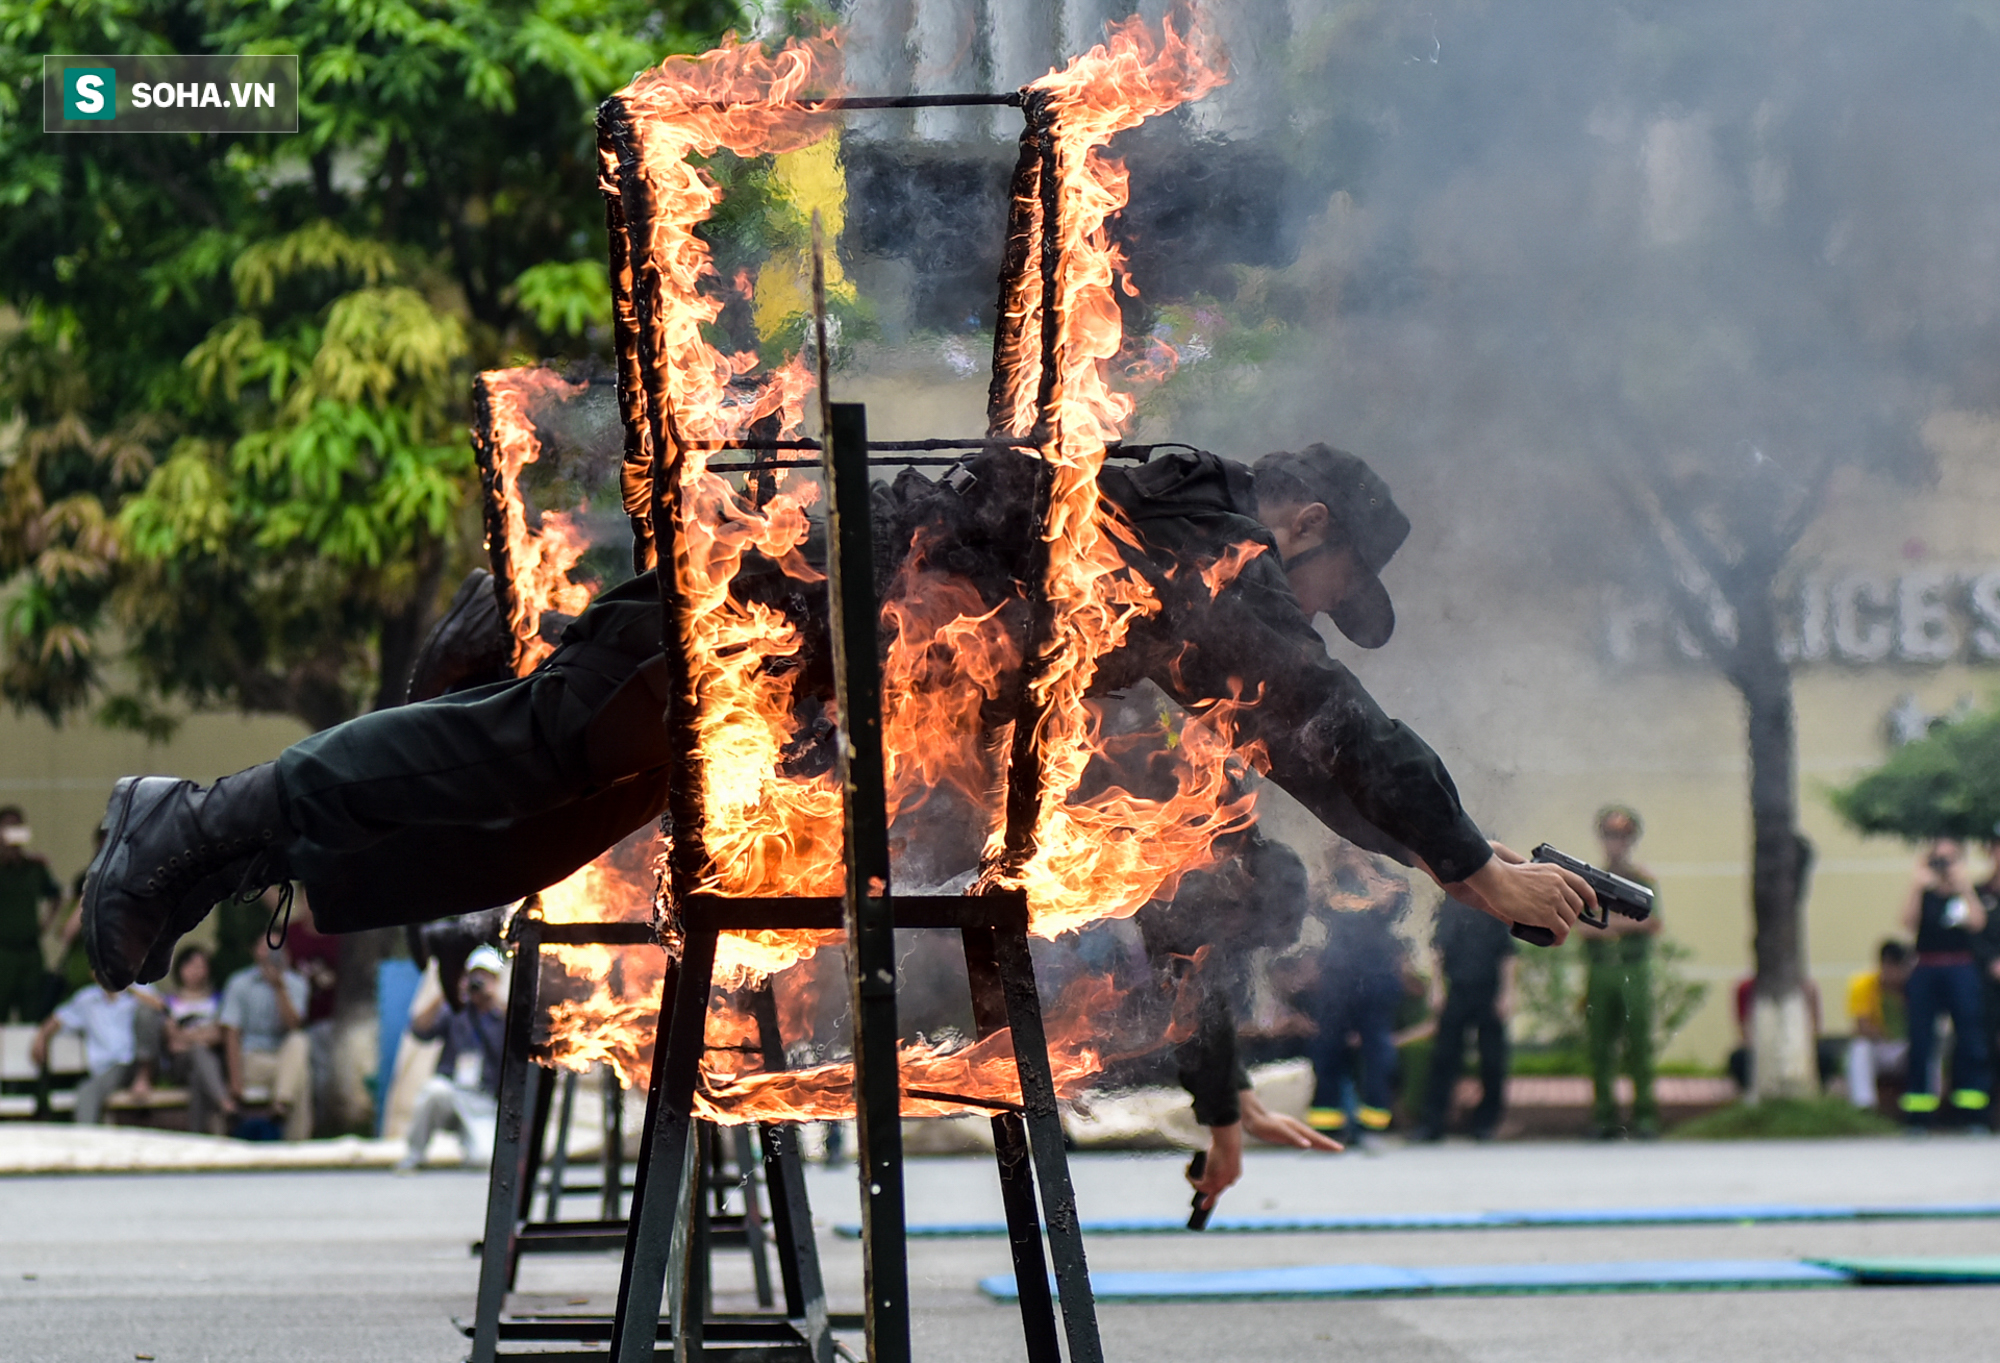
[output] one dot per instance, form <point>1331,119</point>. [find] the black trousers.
<point>1468,1009</point>
<point>478,798</point>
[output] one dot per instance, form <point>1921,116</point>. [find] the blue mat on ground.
<point>1378,1280</point>
<point>1912,1272</point>
<point>1503,1220</point>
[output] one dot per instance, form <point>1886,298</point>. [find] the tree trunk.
<point>403,633</point>
<point>1782,1040</point>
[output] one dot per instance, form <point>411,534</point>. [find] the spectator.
<point>1618,990</point>
<point>1360,985</point>
<point>316,955</point>
<point>180,1041</point>
<point>1986,951</point>
<point>264,1040</point>
<point>108,1023</point>
<point>72,969</point>
<point>464,1093</point>
<point>30,898</point>
<point>1945,913</point>
<point>1472,990</point>
<point>1829,1053</point>
<point>1880,1048</point>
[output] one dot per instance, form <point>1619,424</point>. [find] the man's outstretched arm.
<point>1224,1165</point>
<point>1366,776</point>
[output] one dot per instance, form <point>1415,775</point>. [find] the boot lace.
<point>257,878</point>
<point>183,870</point>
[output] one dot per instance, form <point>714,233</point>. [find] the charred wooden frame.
<point>664,1243</point>
<point>486,455</point>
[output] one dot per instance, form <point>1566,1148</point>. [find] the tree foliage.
<point>233,369</point>
<point>1944,785</point>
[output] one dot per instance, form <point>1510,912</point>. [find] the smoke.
<point>1506,253</point>
<point>1539,249</point>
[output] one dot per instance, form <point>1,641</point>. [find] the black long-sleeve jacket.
<point>1368,777</point>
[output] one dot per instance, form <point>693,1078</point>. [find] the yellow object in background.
<point>811,177</point>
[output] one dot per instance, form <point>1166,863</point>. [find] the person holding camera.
<point>464,1094</point>
<point>1946,913</point>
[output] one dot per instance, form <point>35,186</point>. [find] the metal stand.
<point>664,1263</point>
<point>527,1092</point>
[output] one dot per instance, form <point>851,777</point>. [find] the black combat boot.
<point>173,851</point>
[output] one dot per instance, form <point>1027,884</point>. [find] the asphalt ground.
<point>355,1266</point>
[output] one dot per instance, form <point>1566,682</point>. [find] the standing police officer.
<point>1618,990</point>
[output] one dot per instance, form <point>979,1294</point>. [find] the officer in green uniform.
<point>1618,991</point>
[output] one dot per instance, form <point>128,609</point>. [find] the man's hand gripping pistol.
<point>1615,894</point>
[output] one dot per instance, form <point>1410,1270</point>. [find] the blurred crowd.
<point>237,1039</point>
<point>1927,1017</point>
<point>238,1036</point>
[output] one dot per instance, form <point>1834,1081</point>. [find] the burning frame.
<point>760,867</point>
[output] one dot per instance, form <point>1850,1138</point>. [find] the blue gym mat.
<point>1505,1220</point>
<point>1458,1280</point>
<point>1378,1280</point>
<point>1927,1272</point>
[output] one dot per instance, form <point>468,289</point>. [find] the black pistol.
<point>1198,1214</point>
<point>1615,894</point>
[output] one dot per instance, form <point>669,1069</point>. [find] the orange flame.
<point>946,658</point>
<point>606,1009</point>
<point>983,1070</point>
<point>1230,566</point>
<point>539,558</point>
<point>765,833</point>
<point>1114,852</point>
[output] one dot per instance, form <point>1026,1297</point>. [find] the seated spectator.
<point>316,955</point>
<point>464,1094</point>
<point>108,1023</point>
<point>264,1039</point>
<point>180,1041</point>
<point>1828,1052</point>
<point>1880,1048</point>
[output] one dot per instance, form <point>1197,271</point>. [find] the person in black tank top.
<point>1945,913</point>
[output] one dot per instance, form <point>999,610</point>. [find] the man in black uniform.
<point>1202,941</point>
<point>487,795</point>
<point>1476,971</point>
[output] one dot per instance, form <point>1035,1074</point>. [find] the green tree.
<point>233,370</point>
<point>1944,785</point>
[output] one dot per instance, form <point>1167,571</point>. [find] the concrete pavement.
<point>351,1267</point>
